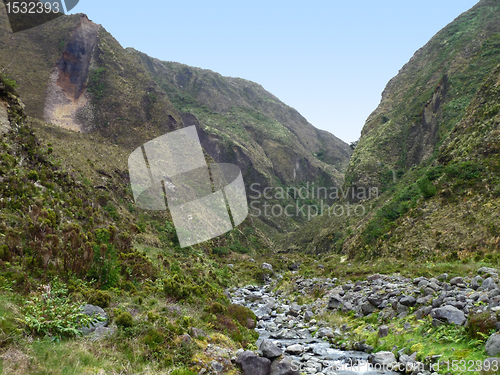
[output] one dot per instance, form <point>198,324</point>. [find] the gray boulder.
<point>284,366</point>
<point>308,315</point>
<point>456,280</point>
<point>267,266</point>
<point>346,307</point>
<point>251,364</point>
<point>91,310</point>
<point>269,349</point>
<point>375,300</point>
<point>367,308</point>
<point>383,358</point>
<point>217,366</point>
<point>383,331</point>
<point>335,301</point>
<point>408,301</point>
<point>449,313</point>
<point>487,270</point>
<point>294,310</point>
<point>325,332</point>
<point>476,282</point>
<point>493,345</point>
<point>490,364</point>
<point>488,284</point>
<point>295,349</point>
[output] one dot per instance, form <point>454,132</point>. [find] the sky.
<point>329,60</point>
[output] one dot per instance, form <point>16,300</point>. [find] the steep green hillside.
<point>432,150</point>
<point>422,104</point>
<point>72,235</point>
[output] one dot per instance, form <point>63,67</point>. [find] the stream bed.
<point>290,327</point>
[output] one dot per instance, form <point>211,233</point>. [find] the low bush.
<point>480,325</point>
<point>50,313</point>
<point>124,320</point>
<point>99,298</point>
<point>242,315</point>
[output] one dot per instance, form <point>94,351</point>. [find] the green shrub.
<point>242,315</point>
<point>238,248</point>
<point>99,298</point>
<point>50,312</point>
<point>434,173</point>
<point>182,372</point>
<point>124,320</point>
<point>467,170</point>
<point>480,325</point>
<point>217,308</point>
<point>4,252</point>
<point>154,338</point>
<point>33,175</point>
<point>221,251</point>
<point>375,229</point>
<point>426,187</point>
<point>173,287</point>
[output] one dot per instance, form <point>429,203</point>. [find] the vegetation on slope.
<point>69,237</point>
<point>423,103</point>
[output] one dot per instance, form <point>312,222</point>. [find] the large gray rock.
<point>295,349</point>
<point>217,366</point>
<point>325,332</point>
<point>91,310</point>
<point>408,301</point>
<point>269,349</point>
<point>383,331</point>
<point>456,280</point>
<point>487,270</point>
<point>476,282</point>
<point>488,284</point>
<point>251,364</point>
<point>375,300</point>
<point>346,307</point>
<point>335,301</point>
<point>367,308</point>
<point>308,315</point>
<point>449,313</point>
<point>493,345</point>
<point>294,310</point>
<point>383,358</point>
<point>267,266</point>
<point>284,366</point>
<point>491,364</point>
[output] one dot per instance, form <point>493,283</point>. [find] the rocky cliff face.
<point>66,91</point>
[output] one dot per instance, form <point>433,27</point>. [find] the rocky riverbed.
<point>293,341</point>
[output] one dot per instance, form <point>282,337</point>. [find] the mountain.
<point>72,73</point>
<point>429,154</point>
<point>422,104</point>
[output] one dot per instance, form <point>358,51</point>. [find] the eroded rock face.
<point>4,119</point>
<point>67,87</point>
